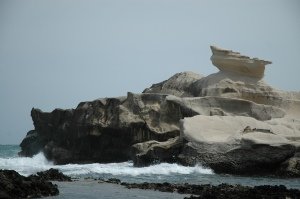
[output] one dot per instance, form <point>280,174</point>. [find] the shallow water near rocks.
<point>164,172</point>
<point>92,190</point>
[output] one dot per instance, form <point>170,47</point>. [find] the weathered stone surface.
<point>102,130</point>
<point>223,106</point>
<point>237,144</point>
<point>230,85</point>
<point>178,85</point>
<point>232,121</point>
<point>14,185</point>
<point>234,62</point>
<point>150,152</point>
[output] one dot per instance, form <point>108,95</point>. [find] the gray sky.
<point>56,53</point>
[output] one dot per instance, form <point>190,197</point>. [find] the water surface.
<point>125,171</point>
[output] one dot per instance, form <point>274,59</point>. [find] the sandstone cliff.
<point>231,121</point>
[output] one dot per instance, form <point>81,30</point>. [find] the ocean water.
<point>125,171</point>
<point>94,190</point>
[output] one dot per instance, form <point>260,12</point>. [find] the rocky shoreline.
<point>230,121</point>
<point>14,185</point>
<point>222,191</point>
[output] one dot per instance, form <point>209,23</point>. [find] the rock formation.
<point>51,175</point>
<point>238,144</point>
<point>178,85</point>
<point>231,121</point>
<point>14,185</point>
<point>234,62</point>
<point>102,130</point>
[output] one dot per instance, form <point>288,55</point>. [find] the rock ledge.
<point>227,60</point>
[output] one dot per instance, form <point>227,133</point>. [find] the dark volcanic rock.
<point>113,181</point>
<point>14,185</point>
<point>51,175</point>
<point>33,139</point>
<point>221,191</point>
<point>290,167</point>
<point>225,191</point>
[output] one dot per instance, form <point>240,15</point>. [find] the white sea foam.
<point>127,168</point>
<point>27,166</point>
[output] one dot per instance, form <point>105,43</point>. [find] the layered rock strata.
<point>238,144</point>
<point>231,121</point>
<point>102,130</point>
<point>234,62</point>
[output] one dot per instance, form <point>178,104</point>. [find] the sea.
<point>85,186</point>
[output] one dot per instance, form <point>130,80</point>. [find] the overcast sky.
<point>56,53</point>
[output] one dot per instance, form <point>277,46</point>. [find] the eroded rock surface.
<point>234,62</point>
<point>102,130</point>
<point>238,144</point>
<point>231,121</point>
<point>178,85</point>
<point>152,151</point>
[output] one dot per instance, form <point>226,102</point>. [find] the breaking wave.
<point>27,166</point>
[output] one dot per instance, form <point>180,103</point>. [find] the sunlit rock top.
<point>234,62</point>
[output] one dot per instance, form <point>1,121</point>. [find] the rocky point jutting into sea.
<point>231,121</point>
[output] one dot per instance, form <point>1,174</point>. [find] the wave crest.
<point>27,166</point>
<point>127,168</point>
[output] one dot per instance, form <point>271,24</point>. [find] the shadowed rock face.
<point>102,130</point>
<point>152,151</point>
<point>230,121</point>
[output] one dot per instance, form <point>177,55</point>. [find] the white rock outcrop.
<point>240,124</point>
<point>234,62</point>
<point>239,144</point>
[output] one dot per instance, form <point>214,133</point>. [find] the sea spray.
<point>127,168</point>
<point>27,166</point>
<point>125,171</point>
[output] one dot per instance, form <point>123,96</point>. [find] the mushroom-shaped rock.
<point>234,62</point>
